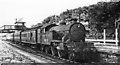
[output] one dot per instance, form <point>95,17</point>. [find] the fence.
<point>104,40</point>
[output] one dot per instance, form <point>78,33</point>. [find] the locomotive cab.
<point>47,35</point>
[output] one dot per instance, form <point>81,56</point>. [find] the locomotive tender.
<point>66,41</point>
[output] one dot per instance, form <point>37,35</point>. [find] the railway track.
<point>38,53</point>
<point>56,59</point>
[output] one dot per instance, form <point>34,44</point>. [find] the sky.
<point>35,11</point>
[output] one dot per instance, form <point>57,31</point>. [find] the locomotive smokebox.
<point>77,32</point>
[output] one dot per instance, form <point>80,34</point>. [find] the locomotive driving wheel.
<point>60,53</point>
<point>53,51</point>
<point>71,56</point>
<point>63,53</point>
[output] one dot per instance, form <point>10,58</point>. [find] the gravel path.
<point>7,55</point>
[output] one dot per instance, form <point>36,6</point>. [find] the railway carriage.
<point>16,36</point>
<point>29,36</point>
<point>9,37</point>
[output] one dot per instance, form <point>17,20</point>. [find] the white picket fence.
<point>104,40</point>
<point>100,40</point>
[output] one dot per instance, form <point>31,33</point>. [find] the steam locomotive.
<point>64,40</point>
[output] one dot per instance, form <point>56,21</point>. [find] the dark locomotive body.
<point>75,31</point>
<point>66,41</point>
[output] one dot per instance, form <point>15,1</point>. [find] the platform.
<point>109,48</point>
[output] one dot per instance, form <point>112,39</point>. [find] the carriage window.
<point>24,35</point>
<point>39,30</point>
<point>43,30</point>
<point>31,34</point>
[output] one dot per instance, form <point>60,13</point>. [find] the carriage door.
<point>43,36</point>
<point>39,36</point>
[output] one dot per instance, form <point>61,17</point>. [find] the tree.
<point>103,14</point>
<point>51,19</point>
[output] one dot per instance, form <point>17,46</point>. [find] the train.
<point>63,40</point>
